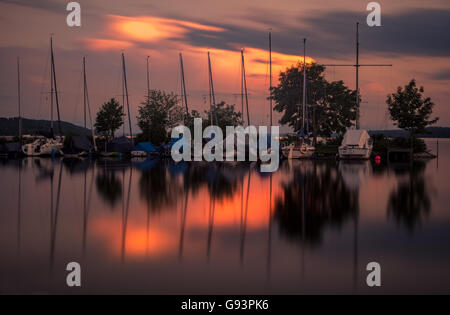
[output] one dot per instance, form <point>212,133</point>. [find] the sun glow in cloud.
<point>152,29</point>
<point>106,44</point>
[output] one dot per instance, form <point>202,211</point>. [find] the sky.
<point>414,37</point>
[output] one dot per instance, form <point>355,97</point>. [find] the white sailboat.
<point>52,145</point>
<point>357,144</point>
<point>301,148</point>
<point>43,146</point>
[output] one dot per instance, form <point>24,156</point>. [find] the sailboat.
<point>51,145</point>
<point>301,148</point>
<point>145,149</point>
<point>357,144</point>
<point>80,145</point>
<point>118,146</point>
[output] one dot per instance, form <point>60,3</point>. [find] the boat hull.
<point>298,152</point>
<point>348,153</point>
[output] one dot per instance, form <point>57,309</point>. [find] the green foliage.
<point>381,144</point>
<point>410,110</point>
<point>336,141</point>
<point>331,105</point>
<point>109,118</point>
<point>159,112</point>
<point>226,116</point>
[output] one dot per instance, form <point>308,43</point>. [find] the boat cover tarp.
<point>355,138</point>
<point>11,147</point>
<point>146,147</point>
<point>82,143</point>
<point>121,144</point>
<point>172,141</point>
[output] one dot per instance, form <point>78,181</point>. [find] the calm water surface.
<point>158,227</point>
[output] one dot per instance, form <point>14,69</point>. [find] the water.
<point>157,227</point>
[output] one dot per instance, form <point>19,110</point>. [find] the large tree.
<point>226,116</point>
<point>331,105</point>
<point>410,110</point>
<point>157,114</point>
<point>109,118</point>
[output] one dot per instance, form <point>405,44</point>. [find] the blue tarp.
<point>168,147</point>
<point>146,147</point>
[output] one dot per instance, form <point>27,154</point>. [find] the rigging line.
<point>78,96</point>
<point>245,87</point>
<point>56,88</point>
<point>126,94</point>
<point>44,83</point>
<point>91,125</point>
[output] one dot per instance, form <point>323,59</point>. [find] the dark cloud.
<point>441,75</point>
<point>48,5</point>
<point>416,32</point>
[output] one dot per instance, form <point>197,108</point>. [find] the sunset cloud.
<point>105,44</point>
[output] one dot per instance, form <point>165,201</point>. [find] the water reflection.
<point>109,186</point>
<point>219,221</point>
<point>315,197</point>
<point>410,203</point>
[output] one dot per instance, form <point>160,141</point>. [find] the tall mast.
<point>126,93</point>
<point>18,100</point>
<point>84,91</point>
<point>357,77</point>
<point>270,76</point>
<point>148,79</point>
<point>212,98</point>
<point>51,86</point>
<point>86,102</point>
<point>357,65</point>
<point>245,86</point>
<point>304,86</point>
<point>242,90</point>
<point>56,88</point>
<point>183,85</point>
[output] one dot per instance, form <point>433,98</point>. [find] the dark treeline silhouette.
<point>313,200</point>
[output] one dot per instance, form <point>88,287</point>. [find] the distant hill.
<point>434,132</point>
<point>9,127</point>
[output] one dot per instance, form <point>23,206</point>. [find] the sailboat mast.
<point>126,92</point>
<point>212,98</point>
<point>245,86</point>
<point>86,102</point>
<point>148,78</point>
<point>56,88</point>
<point>242,91</point>
<point>18,100</point>
<point>84,91</point>
<point>357,77</point>
<point>270,77</point>
<point>51,87</point>
<point>304,85</point>
<point>183,85</point>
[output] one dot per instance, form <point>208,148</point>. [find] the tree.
<point>410,110</point>
<point>226,116</point>
<point>109,118</point>
<point>159,112</point>
<point>331,105</point>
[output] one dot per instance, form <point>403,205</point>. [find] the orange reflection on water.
<point>135,240</point>
<point>160,233</point>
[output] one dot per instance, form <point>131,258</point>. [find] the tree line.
<point>331,108</point>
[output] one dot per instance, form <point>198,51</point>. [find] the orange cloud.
<point>105,44</point>
<point>148,28</point>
